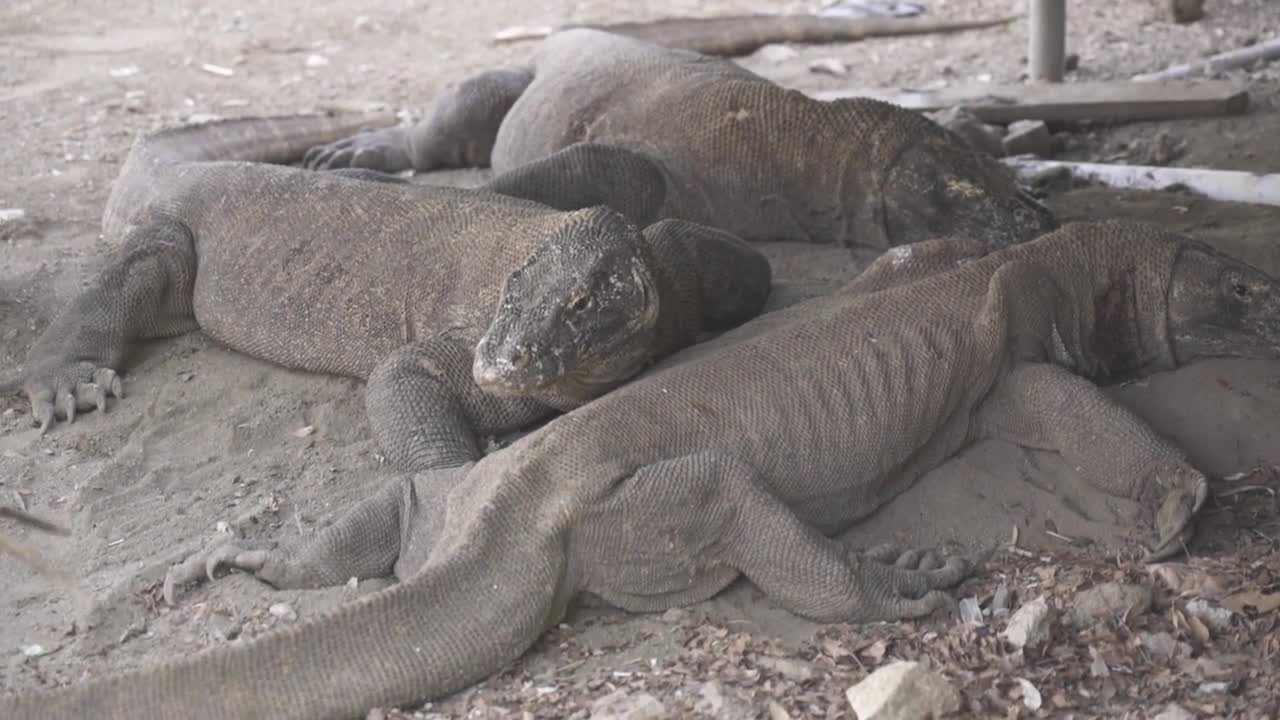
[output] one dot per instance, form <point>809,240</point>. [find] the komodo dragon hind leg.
<point>388,533</point>
<point>712,509</point>
<point>427,411</point>
<point>1045,406</point>
<point>144,293</point>
<point>587,174</point>
<point>459,131</point>
<point>363,543</point>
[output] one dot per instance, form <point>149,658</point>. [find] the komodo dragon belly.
<point>834,432</point>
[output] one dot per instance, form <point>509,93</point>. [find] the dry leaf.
<point>1263,602</point>
<point>1197,628</point>
<point>875,651</point>
<point>1185,580</point>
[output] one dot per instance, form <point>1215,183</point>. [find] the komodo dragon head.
<point>578,318</point>
<point>946,188</point>
<point>1221,307</point>
<point>1162,300</point>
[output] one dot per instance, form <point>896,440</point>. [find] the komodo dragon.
<point>468,312</point>
<point>741,455</point>
<point>602,117</point>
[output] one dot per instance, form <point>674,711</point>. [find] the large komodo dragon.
<point>742,455</point>
<point>603,118</point>
<point>468,312</point>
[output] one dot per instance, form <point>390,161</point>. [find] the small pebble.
<point>777,53</point>
<point>283,611</point>
<point>35,650</point>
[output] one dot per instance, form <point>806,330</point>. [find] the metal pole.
<point>1047,41</point>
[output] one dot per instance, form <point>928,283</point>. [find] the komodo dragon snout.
<point>947,189</point>
<point>577,318</point>
<point>1221,307</point>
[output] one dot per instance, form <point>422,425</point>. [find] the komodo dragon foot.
<point>1186,491</point>
<point>60,390</point>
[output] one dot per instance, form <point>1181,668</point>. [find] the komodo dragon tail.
<point>496,579</point>
<point>273,139</point>
<point>733,35</point>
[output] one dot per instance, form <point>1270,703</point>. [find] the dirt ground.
<point>208,441</point>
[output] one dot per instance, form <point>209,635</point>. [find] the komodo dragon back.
<point>733,35</point>
<point>270,139</point>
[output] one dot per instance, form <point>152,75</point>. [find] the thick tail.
<point>733,35</point>
<point>494,583</point>
<point>274,139</point>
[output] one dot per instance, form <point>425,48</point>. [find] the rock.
<point>1218,618</point>
<point>794,670</point>
<point>980,136</point>
<point>1028,136</point>
<point>283,611</point>
<point>713,702</point>
<point>1109,600</point>
<point>903,690</point>
<point>1173,711</point>
<point>619,705</point>
<point>1029,626</point>
<point>828,66</point>
<point>675,616</point>
<point>1160,645</point>
<point>777,53</point>
<point>1186,11</point>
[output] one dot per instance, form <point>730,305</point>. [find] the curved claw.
<point>384,149</point>
<point>202,566</point>
<point>1175,520</point>
<point>914,580</point>
<point>63,391</point>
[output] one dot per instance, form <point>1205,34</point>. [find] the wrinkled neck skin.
<point>675,270</point>
<point>1112,326</point>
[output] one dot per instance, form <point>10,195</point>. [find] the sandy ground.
<point>208,438</point>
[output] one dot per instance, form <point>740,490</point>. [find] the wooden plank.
<point>1057,103</point>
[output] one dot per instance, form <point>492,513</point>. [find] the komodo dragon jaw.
<point>576,319</point>
<point>946,189</point>
<point>1221,307</point>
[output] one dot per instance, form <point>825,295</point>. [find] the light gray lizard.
<point>732,149</point>
<point>435,295</point>
<point>741,455</point>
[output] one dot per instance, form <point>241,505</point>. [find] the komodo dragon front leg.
<point>1045,406</point>
<point>459,131</point>
<point>145,293</point>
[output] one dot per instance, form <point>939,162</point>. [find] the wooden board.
<point>1057,103</point>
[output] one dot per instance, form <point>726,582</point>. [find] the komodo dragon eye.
<point>581,301</point>
<point>1241,290</point>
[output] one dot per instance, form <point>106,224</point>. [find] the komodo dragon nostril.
<point>519,356</point>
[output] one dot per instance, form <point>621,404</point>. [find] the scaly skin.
<point>388,282</point>
<point>734,150</point>
<point>743,455</point>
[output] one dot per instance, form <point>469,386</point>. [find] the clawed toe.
<point>67,391</point>
<point>1175,520</point>
<point>202,566</point>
